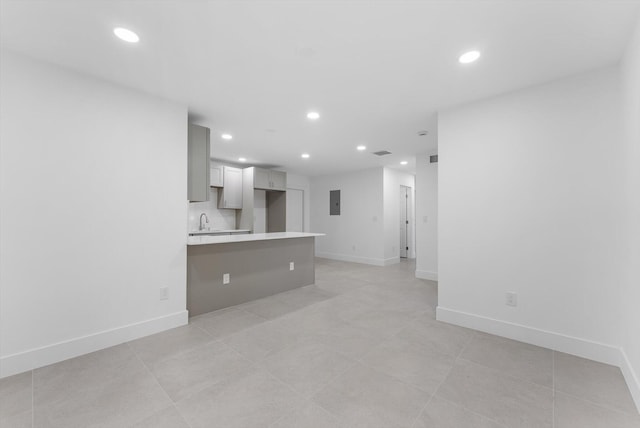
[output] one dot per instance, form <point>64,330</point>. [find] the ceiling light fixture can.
<point>305,156</point>
<point>469,57</point>
<point>361,148</point>
<point>313,115</point>
<point>126,35</point>
<point>242,159</point>
<point>404,163</point>
<point>226,136</point>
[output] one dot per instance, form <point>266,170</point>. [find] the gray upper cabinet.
<point>268,179</point>
<point>230,196</point>
<point>216,175</point>
<point>198,148</point>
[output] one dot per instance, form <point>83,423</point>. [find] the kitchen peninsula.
<point>255,265</point>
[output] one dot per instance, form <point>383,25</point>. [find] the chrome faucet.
<point>206,219</point>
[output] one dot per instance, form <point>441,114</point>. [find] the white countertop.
<point>212,231</point>
<point>224,239</point>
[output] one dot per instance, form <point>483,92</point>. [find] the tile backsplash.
<point>218,218</point>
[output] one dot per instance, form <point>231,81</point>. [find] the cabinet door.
<point>231,194</point>
<point>198,163</point>
<point>216,175</point>
<point>278,180</point>
<point>261,179</point>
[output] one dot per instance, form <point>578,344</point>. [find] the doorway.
<point>295,210</point>
<point>405,204</point>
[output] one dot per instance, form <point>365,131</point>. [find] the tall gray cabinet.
<point>199,152</point>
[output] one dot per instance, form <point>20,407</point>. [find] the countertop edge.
<point>251,237</point>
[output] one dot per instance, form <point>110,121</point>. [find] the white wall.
<point>94,212</point>
<point>427,216</point>
<point>530,201</point>
<point>357,234</point>
<point>393,179</point>
<point>301,182</point>
<point>630,294</point>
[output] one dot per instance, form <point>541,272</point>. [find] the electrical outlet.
<point>226,278</point>
<point>291,266</point>
<point>511,299</point>
<point>164,293</point>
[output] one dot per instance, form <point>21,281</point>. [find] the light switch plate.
<point>291,266</point>
<point>226,278</point>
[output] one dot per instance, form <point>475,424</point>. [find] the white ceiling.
<point>377,71</point>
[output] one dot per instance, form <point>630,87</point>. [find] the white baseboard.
<point>425,274</point>
<point>391,261</point>
<point>589,349</point>
<point>631,377</point>
<point>354,259</point>
<point>40,357</point>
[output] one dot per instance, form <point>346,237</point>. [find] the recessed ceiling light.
<point>468,57</point>
<point>305,155</point>
<point>361,148</point>
<point>226,136</point>
<point>313,115</point>
<point>126,35</point>
<point>242,159</point>
<point>404,163</point>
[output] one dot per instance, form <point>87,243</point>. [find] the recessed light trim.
<point>226,136</point>
<point>126,35</point>
<point>404,163</point>
<point>361,148</point>
<point>305,156</point>
<point>242,159</point>
<point>469,57</point>
<point>313,115</point>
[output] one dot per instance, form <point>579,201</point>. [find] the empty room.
<point>320,213</point>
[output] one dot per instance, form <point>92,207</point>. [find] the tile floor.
<point>360,348</point>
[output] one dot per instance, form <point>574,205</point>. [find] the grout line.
<point>33,399</point>
<point>553,390</point>
<point>157,383</point>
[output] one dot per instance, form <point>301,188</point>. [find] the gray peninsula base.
<point>256,269</point>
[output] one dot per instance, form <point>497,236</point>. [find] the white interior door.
<point>295,210</point>
<point>404,221</point>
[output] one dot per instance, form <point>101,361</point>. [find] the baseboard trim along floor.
<point>40,357</point>
<point>596,351</point>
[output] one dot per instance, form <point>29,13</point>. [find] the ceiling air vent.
<point>433,159</point>
<point>382,153</point>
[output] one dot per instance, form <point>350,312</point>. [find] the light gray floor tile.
<point>21,420</point>
<point>305,296</point>
<point>383,322</point>
<point>16,395</point>
<point>270,307</point>
<point>307,366</point>
<point>228,321</point>
<point>152,348</point>
<point>571,412</point>
<point>601,383</point>
<point>167,418</point>
<point>347,339</point>
<point>499,397</point>
<point>340,285</point>
<point>120,402</point>
<point>413,363</point>
<point>309,415</point>
<point>262,340</point>
<point>446,338</point>
<point>111,386</point>
<point>441,413</point>
<point>517,359</point>
<point>87,373</point>
<point>253,398</point>
<point>308,321</point>
<point>363,397</point>
<point>198,368</point>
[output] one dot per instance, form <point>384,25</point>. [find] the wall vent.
<point>433,159</point>
<point>382,153</point>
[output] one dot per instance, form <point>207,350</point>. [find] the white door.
<point>295,210</point>
<point>404,221</point>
